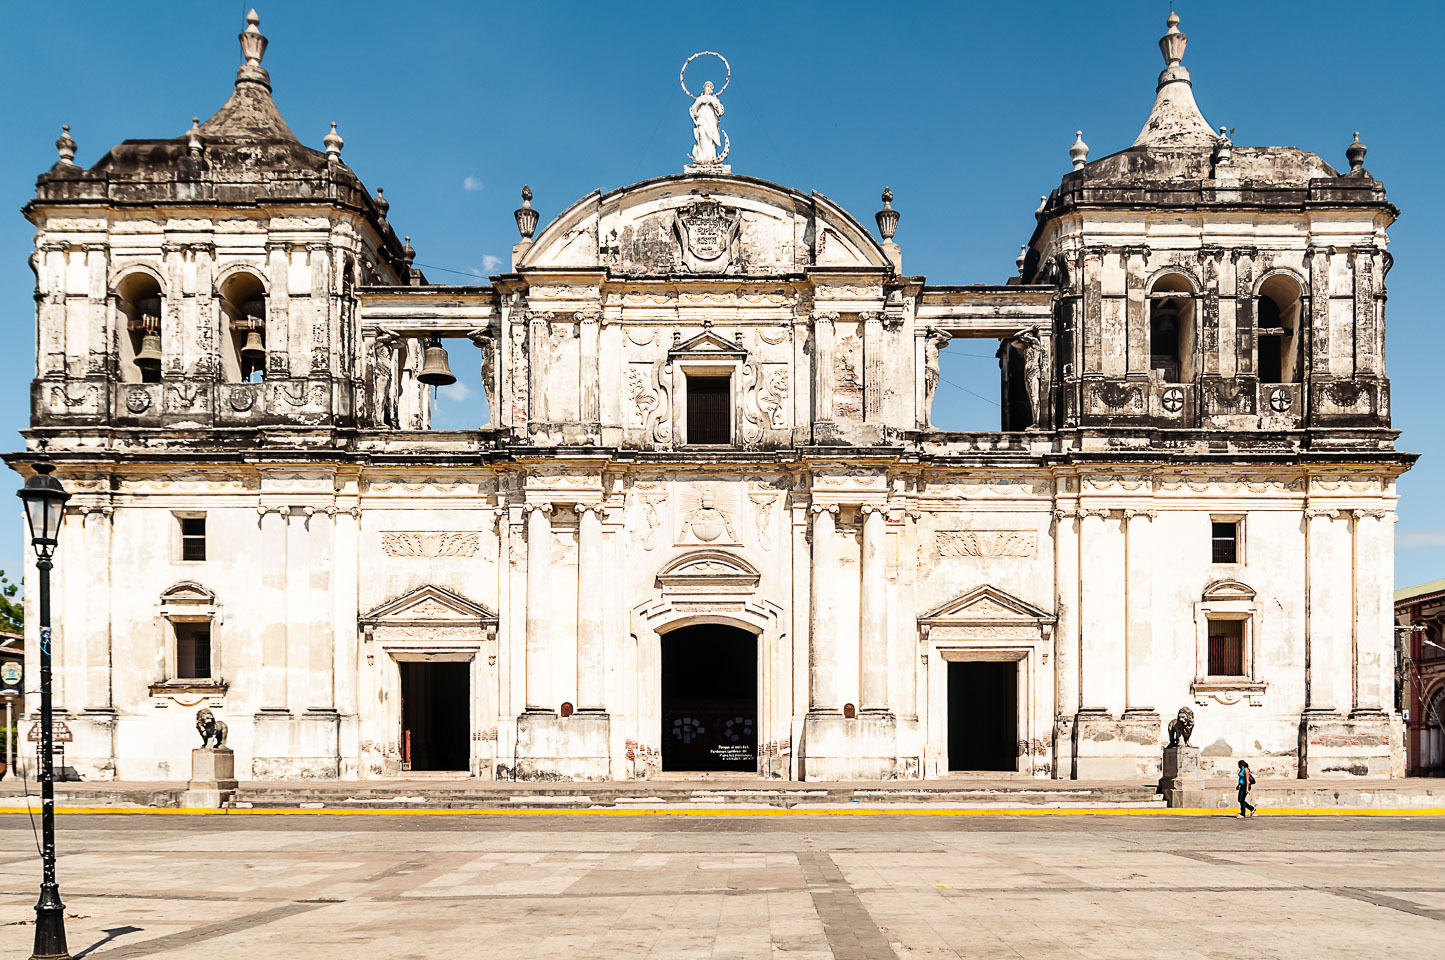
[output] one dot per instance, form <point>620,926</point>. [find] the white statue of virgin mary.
<point>707,136</point>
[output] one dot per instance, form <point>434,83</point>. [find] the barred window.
<point>1226,648</point>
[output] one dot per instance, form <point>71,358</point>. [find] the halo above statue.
<point>710,145</point>
<point>682,74</point>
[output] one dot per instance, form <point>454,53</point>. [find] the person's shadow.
<point>112,933</point>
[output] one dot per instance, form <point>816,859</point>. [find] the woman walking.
<point>1246,781</point>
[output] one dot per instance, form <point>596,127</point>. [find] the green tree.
<point>12,611</point>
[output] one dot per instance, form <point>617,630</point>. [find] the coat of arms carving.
<point>707,232</point>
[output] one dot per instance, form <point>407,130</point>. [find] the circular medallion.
<point>1173,399</point>
<point>137,400</point>
<point>1280,401</point>
<point>242,400</point>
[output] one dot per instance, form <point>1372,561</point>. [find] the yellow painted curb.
<point>750,812</point>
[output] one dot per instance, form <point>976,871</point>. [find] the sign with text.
<point>60,733</point>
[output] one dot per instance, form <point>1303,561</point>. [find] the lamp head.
<point>44,498</point>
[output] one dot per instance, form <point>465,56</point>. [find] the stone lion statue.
<point>1181,728</point>
<point>212,729</point>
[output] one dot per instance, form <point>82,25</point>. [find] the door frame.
<point>759,675</point>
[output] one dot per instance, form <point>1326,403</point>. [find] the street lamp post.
<point>44,499</point>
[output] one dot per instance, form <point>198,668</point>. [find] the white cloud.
<point>455,393</point>
<point>1418,539</point>
<point>490,263</point>
<point>472,183</point>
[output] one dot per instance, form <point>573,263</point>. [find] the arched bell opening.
<point>138,299</point>
<point>1171,329</point>
<point>243,311</point>
<point>1278,324</point>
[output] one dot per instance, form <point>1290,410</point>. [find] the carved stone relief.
<point>951,544</point>
<point>400,543</point>
<point>708,511</point>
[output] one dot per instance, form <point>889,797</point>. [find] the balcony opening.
<point>1171,330</point>
<point>971,387</point>
<point>709,410</point>
<point>243,338</point>
<point>1278,323</point>
<point>138,297</point>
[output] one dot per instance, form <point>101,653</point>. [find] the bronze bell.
<point>254,352</point>
<point>435,371</point>
<point>149,357</point>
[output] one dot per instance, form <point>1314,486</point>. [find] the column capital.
<point>1131,512</point>
<point>866,509</point>
<point>1313,512</point>
<point>1376,514</point>
<point>1065,513</point>
<point>545,507</point>
<point>818,508</point>
<point>581,508</point>
<point>1101,513</point>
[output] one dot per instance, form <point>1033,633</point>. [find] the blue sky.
<point>966,110</point>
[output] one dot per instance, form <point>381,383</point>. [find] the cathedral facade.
<point>710,526</point>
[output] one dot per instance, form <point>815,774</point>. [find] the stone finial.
<point>1023,256</point>
<point>253,42</point>
<point>333,143</point>
<point>1173,42</point>
<point>887,217</point>
<point>382,204</point>
<point>65,145</point>
<point>526,216</point>
<point>1079,152</point>
<point>1355,153</point>
<point>1175,120</point>
<point>407,253</point>
<point>1223,148</point>
<point>193,138</point>
<point>1043,202</point>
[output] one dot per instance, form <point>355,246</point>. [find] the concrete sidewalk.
<point>963,792</point>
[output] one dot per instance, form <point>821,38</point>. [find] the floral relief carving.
<point>398,543</point>
<point>950,544</point>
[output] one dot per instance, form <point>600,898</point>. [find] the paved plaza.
<point>803,887</point>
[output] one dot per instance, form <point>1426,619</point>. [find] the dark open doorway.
<point>983,715</point>
<point>436,723</point>
<point>710,699</point>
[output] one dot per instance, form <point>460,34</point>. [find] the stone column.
<point>1139,612</point>
<point>1066,601</point>
<point>589,325</point>
<point>539,563</point>
<point>1093,616</point>
<point>873,613</point>
<point>273,599</point>
<point>823,629</point>
<point>823,365</point>
<point>1374,617</point>
<point>873,369</point>
<point>537,326</point>
<point>591,600</point>
<point>1328,621</point>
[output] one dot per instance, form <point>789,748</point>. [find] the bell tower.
<point>1208,286</point>
<point>211,279</point>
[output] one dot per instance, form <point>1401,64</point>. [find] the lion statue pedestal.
<point>213,768</point>
<point>1183,781</point>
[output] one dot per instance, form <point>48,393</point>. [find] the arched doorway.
<point>710,699</point>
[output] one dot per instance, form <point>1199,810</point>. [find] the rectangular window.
<point>193,651</point>
<point>1224,544</point>
<point>1226,648</point>
<point>193,538</point>
<point>709,410</point>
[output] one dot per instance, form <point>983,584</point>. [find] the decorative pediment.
<point>708,345</point>
<point>1228,590</point>
<point>986,604</point>
<point>429,606</point>
<point>708,572</point>
<point>188,592</point>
